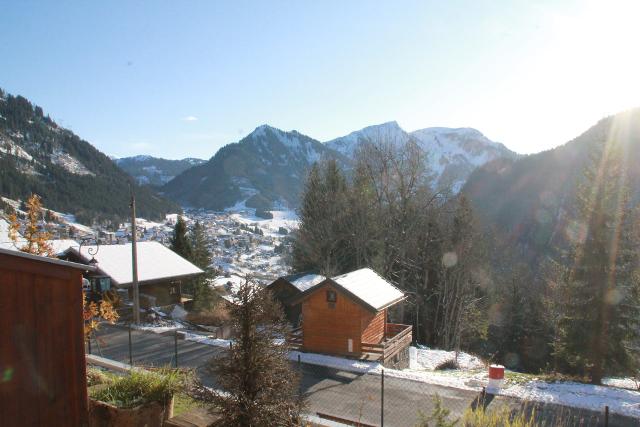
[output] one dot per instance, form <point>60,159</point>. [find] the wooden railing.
<point>294,338</point>
<point>397,337</point>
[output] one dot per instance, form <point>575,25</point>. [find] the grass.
<point>183,403</point>
<point>137,387</point>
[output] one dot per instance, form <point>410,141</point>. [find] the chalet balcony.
<point>397,337</point>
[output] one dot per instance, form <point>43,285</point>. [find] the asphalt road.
<point>347,395</point>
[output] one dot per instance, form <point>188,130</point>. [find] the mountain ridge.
<point>38,156</point>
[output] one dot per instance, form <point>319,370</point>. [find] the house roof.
<point>19,254</point>
<point>370,288</point>
<point>60,246</point>
<point>365,286</point>
<point>155,262</point>
<point>303,281</point>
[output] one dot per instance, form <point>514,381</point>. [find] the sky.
<point>181,79</point>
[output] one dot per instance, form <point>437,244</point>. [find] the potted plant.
<point>138,398</point>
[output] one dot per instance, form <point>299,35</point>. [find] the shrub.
<point>139,387</point>
<point>498,418</point>
<point>216,316</point>
<point>96,376</point>
<point>447,364</point>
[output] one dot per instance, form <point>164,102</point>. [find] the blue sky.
<point>182,78</point>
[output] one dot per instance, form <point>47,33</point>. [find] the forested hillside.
<point>266,167</point>
<point>38,156</point>
<point>154,171</point>
<point>529,202</point>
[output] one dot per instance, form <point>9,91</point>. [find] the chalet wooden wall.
<point>42,365</point>
<point>327,330</point>
<point>373,329</point>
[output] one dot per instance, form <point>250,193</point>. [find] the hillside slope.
<point>154,171</point>
<point>38,156</point>
<point>267,167</point>
<point>529,200</point>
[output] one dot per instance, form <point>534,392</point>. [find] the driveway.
<point>337,393</point>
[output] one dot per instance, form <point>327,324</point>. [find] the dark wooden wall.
<point>42,361</point>
<point>327,330</point>
<point>284,292</point>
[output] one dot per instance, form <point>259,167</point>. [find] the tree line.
<point>578,313</point>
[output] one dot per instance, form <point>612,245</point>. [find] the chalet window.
<point>332,296</point>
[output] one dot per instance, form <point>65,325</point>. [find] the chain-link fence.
<point>366,398</point>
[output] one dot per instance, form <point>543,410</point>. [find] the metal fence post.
<point>89,342</point>
<point>382,399</point>
<point>175,342</point>
<point>606,416</point>
<point>299,363</point>
<point>130,348</point>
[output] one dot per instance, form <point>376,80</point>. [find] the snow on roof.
<point>369,287</point>
<point>155,262</point>
<point>306,281</point>
<point>60,246</point>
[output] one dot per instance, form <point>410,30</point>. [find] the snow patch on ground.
<point>71,164</point>
<point>205,339</point>
<point>430,359</point>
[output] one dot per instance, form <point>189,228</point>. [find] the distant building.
<point>161,272</point>
<point>287,288</point>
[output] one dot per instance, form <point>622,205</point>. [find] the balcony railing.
<point>397,337</point>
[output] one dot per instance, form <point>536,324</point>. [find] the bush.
<point>217,316</point>
<point>96,376</point>
<point>139,387</point>
<point>447,364</point>
<point>500,418</point>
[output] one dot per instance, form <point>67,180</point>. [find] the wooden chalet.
<point>161,272</point>
<point>287,289</point>
<point>347,316</point>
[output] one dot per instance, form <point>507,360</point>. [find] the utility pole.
<point>134,261</point>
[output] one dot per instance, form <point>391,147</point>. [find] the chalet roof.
<point>365,286</point>
<point>155,262</point>
<point>60,246</point>
<point>370,288</point>
<point>304,281</point>
<point>19,254</point>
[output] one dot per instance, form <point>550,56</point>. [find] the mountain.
<point>155,171</point>
<point>268,167</point>
<point>529,200</point>
<point>38,156</point>
<point>450,154</point>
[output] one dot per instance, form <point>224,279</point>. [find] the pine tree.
<point>599,327</point>
<point>321,238</point>
<point>257,384</point>
<point>201,256</point>
<point>179,241</point>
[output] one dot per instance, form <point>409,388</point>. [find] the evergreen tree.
<point>256,382</point>
<point>179,241</point>
<point>201,256</point>
<point>599,327</point>
<point>321,238</point>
